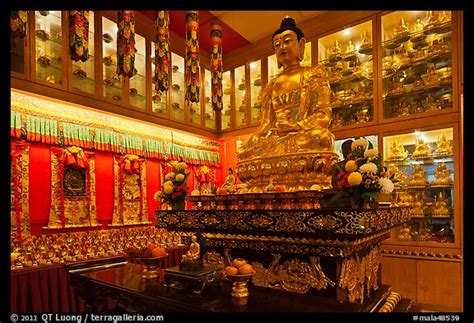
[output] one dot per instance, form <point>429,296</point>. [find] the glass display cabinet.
<point>49,48</point>
<point>159,101</point>
<point>240,96</point>
<point>423,167</point>
<point>83,73</point>
<point>226,101</point>
<point>137,90</point>
<point>210,114</point>
<point>177,87</point>
<point>347,56</point>
<point>417,62</point>
<point>255,91</point>
<point>19,45</point>
<point>113,83</point>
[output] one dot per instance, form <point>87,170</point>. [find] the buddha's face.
<point>287,48</point>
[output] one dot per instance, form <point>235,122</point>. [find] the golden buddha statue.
<point>398,180</point>
<point>397,151</point>
<point>442,176</point>
<point>296,113</point>
<point>443,146</point>
<point>397,86</point>
<point>404,109</point>
<point>442,205</point>
<point>404,199</point>
<point>404,234</point>
<point>194,251</point>
<point>418,207</point>
<point>350,47</point>
<point>419,178</point>
<point>366,43</point>
<point>229,183</point>
<point>421,149</point>
<point>336,49</point>
<point>418,25</point>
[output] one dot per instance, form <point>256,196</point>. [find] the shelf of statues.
<point>419,178</point>
<point>403,107</point>
<point>432,24</point>
<point>416,85</point>
<point>49,249</point>
<point>349,72</point>
<point>348,97</point>
<point>424,231</point>
<point>357,116</point>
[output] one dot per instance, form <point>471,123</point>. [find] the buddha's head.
<point>288,43</point>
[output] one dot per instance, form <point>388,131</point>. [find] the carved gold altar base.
<point>296,172</point>
<point>330,252</point>
<point>257,201</point>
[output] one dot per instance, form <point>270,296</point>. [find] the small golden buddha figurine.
<point>366,40</point>
<point>397,151</point>
<point>194,251</point>
<point>229,183</point>
<point>418,207</point>
<point>362,115</point>
<point>425,231</point>
<point>404,234</point>
<point>397,176</point>
<point>431,19</point>
<point>421,149</point>
<point>442,205</point>
<point>419,178</point>
<point>350,47</point>
<point>443,146</point>
<point>442,176</point>
<point>296,112</point>
<point>336,49</point>
<point>418,25</point>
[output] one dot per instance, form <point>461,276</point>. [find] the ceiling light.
<point>347,31</point>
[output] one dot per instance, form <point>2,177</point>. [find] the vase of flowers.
<point>362,177</point>
<point>173,191</point>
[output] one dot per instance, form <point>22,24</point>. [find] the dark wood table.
<point>131,292</point>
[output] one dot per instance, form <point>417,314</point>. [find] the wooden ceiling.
<point>239,28</point>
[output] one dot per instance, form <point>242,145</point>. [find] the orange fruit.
<point>238,262</point>
<point>150,245</point>
<point>158,252</point>
<point>231,271</point>
<point>246,269</point>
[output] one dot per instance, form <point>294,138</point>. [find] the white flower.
<point>371,153</point>
<point>386,184</point>
<point>359,143</point>
<point>157,196</point>
<point>368,168</point>
<point>170,176</point>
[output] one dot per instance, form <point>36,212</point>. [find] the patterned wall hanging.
<point>19,194</point>
<point>73,195</point>
<point>162,51</point>
<point>192,69</point>
<point>205,178</point>
<point>18,23</point>
<point>216,66</point>
<point>126,43</point>
<point>79,35</point>
<point>130,204</point>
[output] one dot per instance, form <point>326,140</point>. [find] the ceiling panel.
<point>256,25</point>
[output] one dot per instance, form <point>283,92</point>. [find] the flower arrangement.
<point>362,176</point>
<point>174,190</point>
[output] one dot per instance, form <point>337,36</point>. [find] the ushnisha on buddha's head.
<point>288,43</point>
